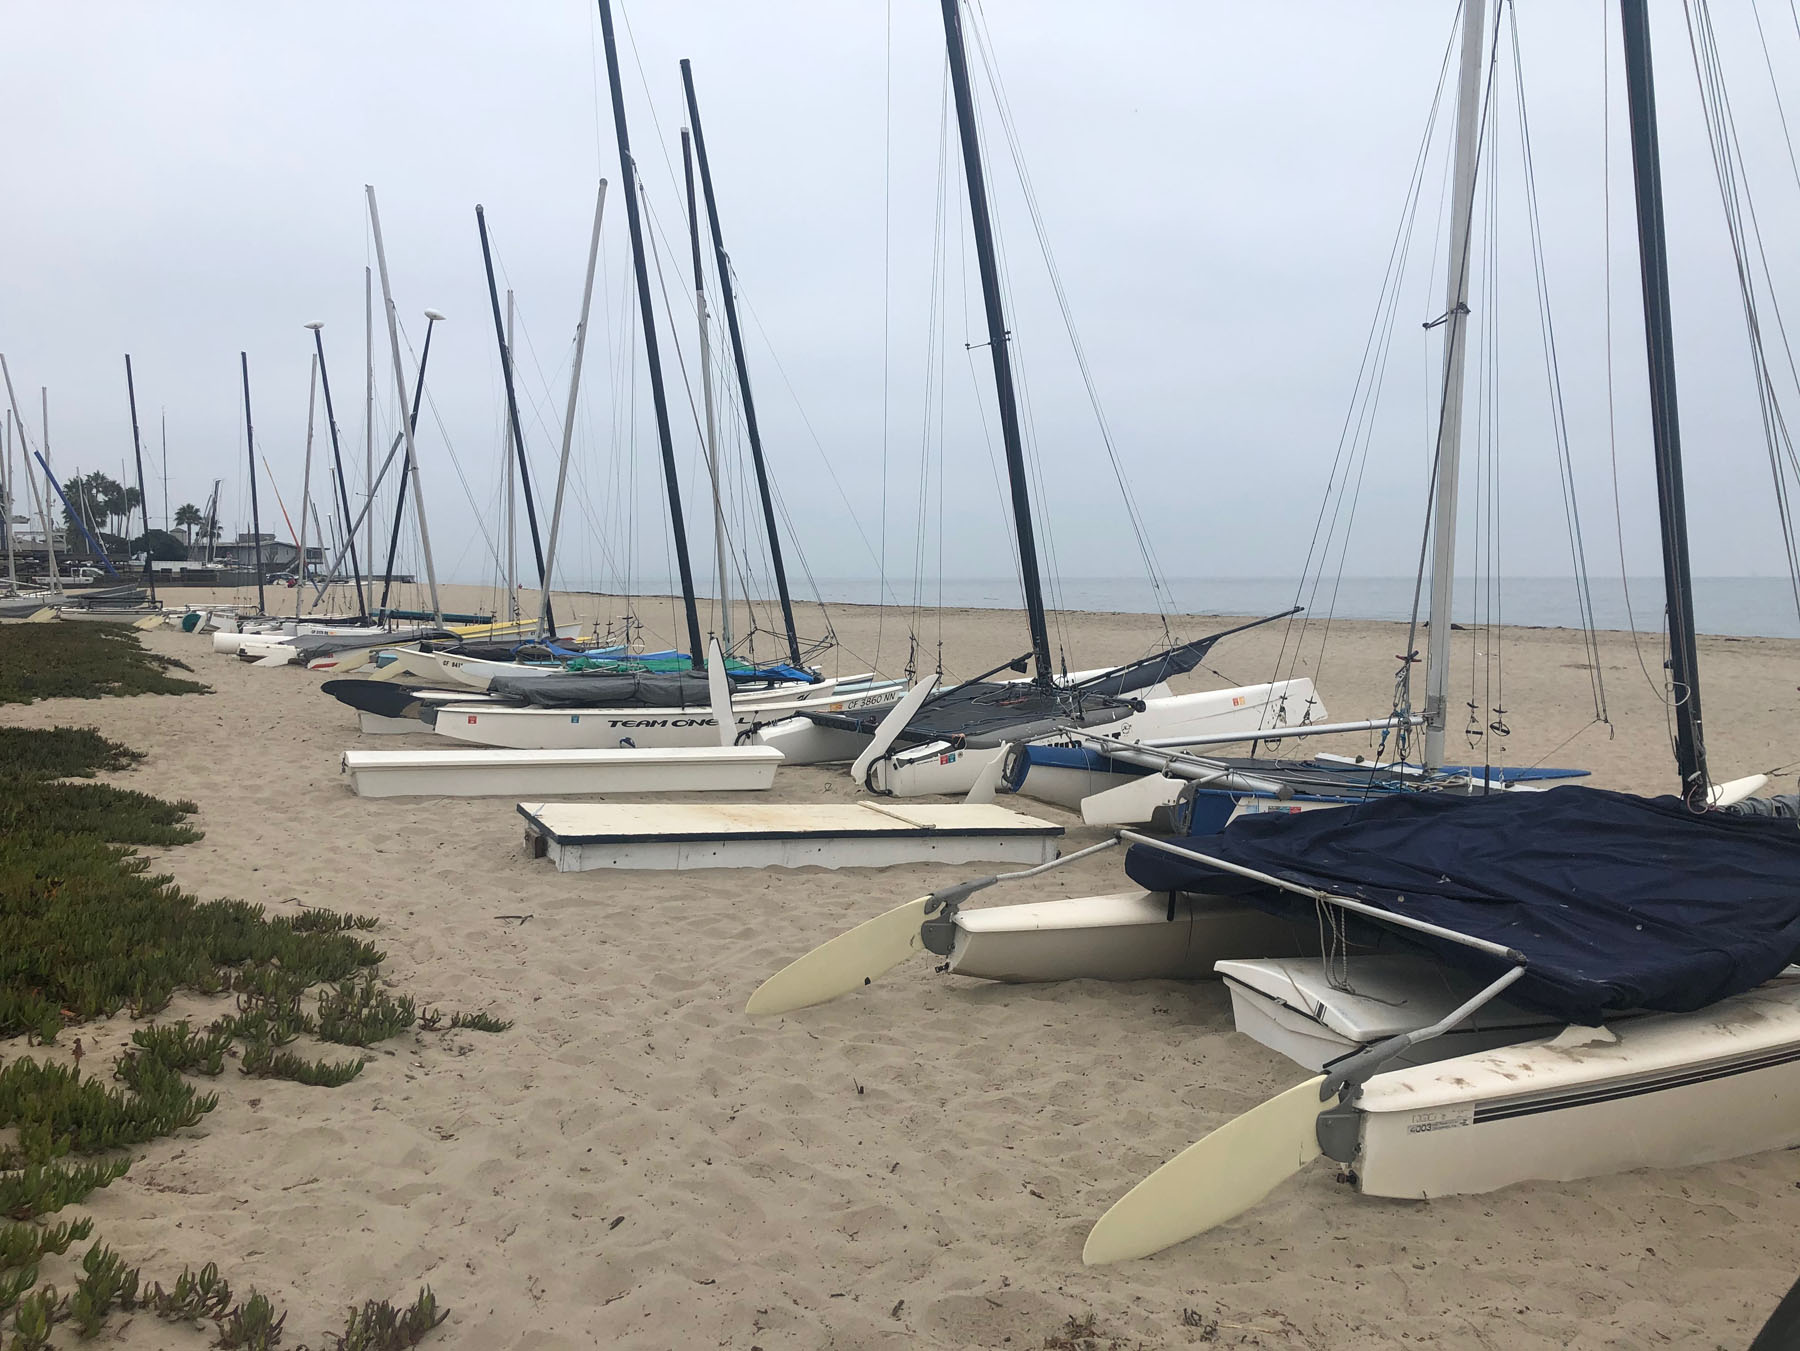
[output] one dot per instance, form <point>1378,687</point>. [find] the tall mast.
<point>568,436</point>
<point>1450,416</point>
<point>137,449</point>
<point>412,457</point>
<point>165,471</point>
<point>387,577</point>
<point>752,432</point>
<point>512,410</point>
<point>6,493</point>
<point>369,414</point>
<point>301,578</point>
<point>341,481</point>
<point>652,355</point>
<point>255,515</point>
<point>998,339</point>
<point>44,413</point>
<point>512,507</point>
<point>721,554</point>
<point>1665,422</point>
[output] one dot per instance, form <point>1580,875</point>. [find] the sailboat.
<point>650,709</point>
<point>1520,986</point>
<point>945,740</point>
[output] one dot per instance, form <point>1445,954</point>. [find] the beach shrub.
<point>83,661</point>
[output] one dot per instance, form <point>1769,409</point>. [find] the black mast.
<point>255,515</point>
<point>997,340</point>
<point>628,167</point>
<point>743,370</point>
<point>1659,344</point>
<point>387,580</point>
<point>137,449</point>
<point>337,459</point>
<point>512,408</point>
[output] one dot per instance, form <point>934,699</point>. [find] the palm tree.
<point>187,516</point>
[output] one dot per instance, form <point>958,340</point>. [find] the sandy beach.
<point>636,1164</point>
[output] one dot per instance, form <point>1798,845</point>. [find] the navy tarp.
<point>1617,902</point>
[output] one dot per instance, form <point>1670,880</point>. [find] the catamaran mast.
<point>300,574</point>
<point>341,481</point>
<point>512,414</point>
<point>998,338</point>
<point>751,430</point>
<point>6,492</point>
<point>722,555</point>
<point>412,450</point>
<point>512,505</point>
<point>368,415</point>
<point>1665,423</point>
<point>137,449</point>
<point>255,515</point>
<point>1448,463</point>
<point>568,436</point>
<point>628,167</point>
<point>432,318</point>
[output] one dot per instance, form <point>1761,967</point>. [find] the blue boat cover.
<point>1617,902</point>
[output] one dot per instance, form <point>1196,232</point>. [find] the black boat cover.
<point>1617,902</point>
<point>666,689</point>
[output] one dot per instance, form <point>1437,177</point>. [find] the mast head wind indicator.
<point>433,315</point>
<point>315,325</point>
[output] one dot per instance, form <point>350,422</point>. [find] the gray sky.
<point>1221,185</point>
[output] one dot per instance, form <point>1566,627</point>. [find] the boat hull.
<point>1122,936</point>
<point>500,773</point>
<point>610,728</point>
<point>1668,1091</point>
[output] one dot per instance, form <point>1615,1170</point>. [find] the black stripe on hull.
<point>1639,1087</point>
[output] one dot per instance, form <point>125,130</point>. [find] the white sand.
<point>637,1164</point>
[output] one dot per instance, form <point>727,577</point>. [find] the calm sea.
<point>1738,606</point>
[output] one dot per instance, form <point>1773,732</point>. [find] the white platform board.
<point>578,836</point>
<point>507,773</point>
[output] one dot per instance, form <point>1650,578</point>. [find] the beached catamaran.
<point>943,740</point>
<point>1515,986</point>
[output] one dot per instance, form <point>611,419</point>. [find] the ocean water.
<point>1735,606</point>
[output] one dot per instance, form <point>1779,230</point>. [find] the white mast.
<point>300,577</point>
<point>721,556</point>
<point>1455,322</point>
<point>49,539</point>
<point>369,415</point>
<point>562,468</point>
<point>41,503</point>
<point>406,427</point>
<point>6,492</point>
<point>506,463</point>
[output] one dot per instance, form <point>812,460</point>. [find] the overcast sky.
<point>1221,185</point>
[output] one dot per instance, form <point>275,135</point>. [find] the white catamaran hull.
<point>604,728</point>
<point>501,773</point>
<point>1667,1091</point>
<point>1123,936</point>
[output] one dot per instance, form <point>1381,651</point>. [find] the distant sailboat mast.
<point>137,450</point>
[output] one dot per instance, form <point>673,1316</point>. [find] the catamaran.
<point>945,740</point>
<point>1513,986</point>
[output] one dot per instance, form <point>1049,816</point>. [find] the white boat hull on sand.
<point>1664,1090</point>
<point>500,773</point>
<point>1123,936</point>
<point>610,728</point>
<point>582,836</point>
